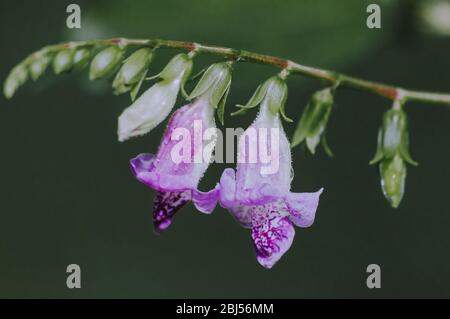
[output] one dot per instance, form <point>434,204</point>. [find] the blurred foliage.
<point>326,33</point>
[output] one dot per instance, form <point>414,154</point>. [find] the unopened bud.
<point>214,83</point>
<point>16,78</point>
<point>63,61</point>
<point>132,70</point>
<point>38,66</point>
<point>105,62</point>
<point>314,120</point>
<point>81,57</point>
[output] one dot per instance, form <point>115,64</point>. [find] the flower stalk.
<point>384,90</point>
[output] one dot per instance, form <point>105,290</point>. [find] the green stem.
<point>387,91</point>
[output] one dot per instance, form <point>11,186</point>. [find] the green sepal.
<point>241,111</point>
<point>325,145</point>
<point>394,123</point>
<point>314,118</point>
<point>197,75</point>
<point>215,80</point>
<point>404,149</point>
<point>276,94</point>
<point>221,105</point>
<point>63,61</point>
<point>312,142</point>
<point>379,155</point>
<point>283,110</point>
<point>135,89</point>
<point>179,63</point>
<point>256,98</point>
<point>218,90</point>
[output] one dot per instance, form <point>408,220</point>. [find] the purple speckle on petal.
<point>166,205</point>
<point>272,233</point>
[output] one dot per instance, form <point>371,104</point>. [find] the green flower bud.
<point>81,57</point>
<point>16,78</point>
<point>392,154</point>
<point>132,70</point>
<point>63,61</point>
<point>215,85</point>
<point>393,176</point>
<point>314,120</point>
<point>105,62</point>
<point>38,66</point>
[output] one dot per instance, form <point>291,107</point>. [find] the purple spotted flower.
<point>258,195</point>
<point>183,155</point>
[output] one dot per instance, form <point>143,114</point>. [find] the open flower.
<point>259,196</point>
<point>152,107</point>
<point>184,155</point>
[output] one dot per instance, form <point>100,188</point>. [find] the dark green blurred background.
<point>68,196</point>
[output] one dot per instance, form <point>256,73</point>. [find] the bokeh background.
<point>67,194</point>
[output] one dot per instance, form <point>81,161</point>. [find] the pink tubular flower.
<point>259,198</point>
<point>175,179</point>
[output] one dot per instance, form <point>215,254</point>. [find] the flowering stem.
<point>335,78</point>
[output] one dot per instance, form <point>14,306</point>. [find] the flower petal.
<point>272,233</point>
<point>264,168</point>
<point>228,200</point>
<point>242,214</point>
<point>205,202</point>
<point>142,163</point>
<point>166,204</point>
<point>228,188</point>
<point>168,172</point>
<point>302,207</point>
